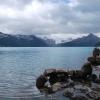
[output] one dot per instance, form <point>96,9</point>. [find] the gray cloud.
<point>49,16</point>
<point>15,3</point>
<point>90,6</point>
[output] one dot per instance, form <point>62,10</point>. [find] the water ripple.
<point>19,68</point>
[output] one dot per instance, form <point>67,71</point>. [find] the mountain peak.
<point>92,35</point>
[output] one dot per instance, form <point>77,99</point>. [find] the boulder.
<point>40,82</point>
<point>96,52</point>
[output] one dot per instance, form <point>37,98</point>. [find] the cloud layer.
<point>50,16</point>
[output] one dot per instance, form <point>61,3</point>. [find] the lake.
<point>20,66</point>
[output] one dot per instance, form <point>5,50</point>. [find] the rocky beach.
<point>73,84</point>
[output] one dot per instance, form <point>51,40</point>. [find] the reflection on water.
<point>19,68</point>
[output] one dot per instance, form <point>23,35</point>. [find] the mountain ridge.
<point>90,40</point>
<point>8,40</point>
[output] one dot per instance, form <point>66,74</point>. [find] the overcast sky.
<point>50,17</point>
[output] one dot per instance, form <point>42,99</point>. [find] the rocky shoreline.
<point>77,84</point>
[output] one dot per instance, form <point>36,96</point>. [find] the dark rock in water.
<point>96,52</point>
<point>61,79</point>
<point>40,82</point>
<point>56,76</point>
<point>77,75</point>
<point>61,76</point>
<point>95,60</point>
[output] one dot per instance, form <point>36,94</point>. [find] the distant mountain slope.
<point>21,41</point>
<point>98,44</point>
<point>90,40</point>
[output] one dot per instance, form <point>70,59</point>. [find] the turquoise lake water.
<point>19,68</point>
